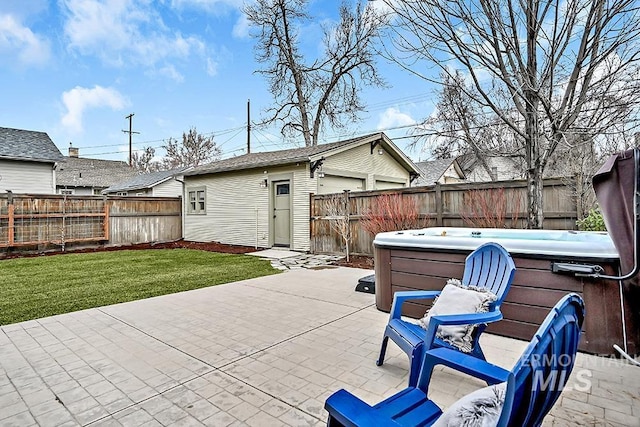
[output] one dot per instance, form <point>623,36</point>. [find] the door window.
<point>282,189</point>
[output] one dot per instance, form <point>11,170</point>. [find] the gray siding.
<point>169,188</point>
<point>236,210</point>
<point>238,207</point>
<point>27,177</point>
<point>303,186</point>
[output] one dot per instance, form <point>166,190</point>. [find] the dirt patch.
<point>357,261</point>
<point>203,246</point>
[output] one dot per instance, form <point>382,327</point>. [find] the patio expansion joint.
<point>306,297</point>
<point>222,367</point>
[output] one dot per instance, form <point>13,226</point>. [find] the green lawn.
<point>31,288</point>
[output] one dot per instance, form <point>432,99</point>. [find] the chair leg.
<point>383,350</point>
<point>415,362</point>
<point>477,352</point>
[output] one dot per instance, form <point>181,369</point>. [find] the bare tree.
<point>337,212</point>
<point>143,161</point>
<point>550,70</point>
<point>310,94</point>
<point>461,127</point>
<point>195,150</point>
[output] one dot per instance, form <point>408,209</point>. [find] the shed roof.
<point>83,172</point>
<point>432,170</point>
<point>20,144</point>
<point>147,180</point>
<point>295,155</point>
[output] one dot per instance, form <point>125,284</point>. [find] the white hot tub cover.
<point>561,243</point>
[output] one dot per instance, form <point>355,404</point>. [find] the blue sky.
<point>76,68</point>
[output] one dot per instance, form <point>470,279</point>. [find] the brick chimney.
<point>73,151</point>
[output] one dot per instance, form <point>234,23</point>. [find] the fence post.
<point>439,206</point>
<point>106,221</point>
<point>11,210</point>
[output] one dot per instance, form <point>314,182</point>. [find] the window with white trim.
<point>66,191</point>
<point>197,201</point>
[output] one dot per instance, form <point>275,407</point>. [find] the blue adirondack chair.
<point>532,386</point>
<point>490,266</point>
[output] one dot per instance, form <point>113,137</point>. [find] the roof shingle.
<point>432,170</point>
<point>82,172</point>
<point>20,144</point>
<point>270,158</point>
<point>144,181</point>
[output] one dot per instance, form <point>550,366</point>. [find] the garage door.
<point>385,185</point>
<point>337,184</point>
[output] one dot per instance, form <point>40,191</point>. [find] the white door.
<point>281,213</point>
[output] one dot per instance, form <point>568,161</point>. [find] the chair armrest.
<point>400,297</point>
<point>351,411</point>
<point>461,362</point>
<point>458,319</point>
<point>466,318</point>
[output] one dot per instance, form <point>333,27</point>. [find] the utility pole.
<point>248,126</point>
<point>130,132</point>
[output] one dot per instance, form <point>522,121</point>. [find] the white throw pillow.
<point>456,298</point>
<point>481,408</point>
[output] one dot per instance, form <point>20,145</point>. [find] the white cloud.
<point>212,67</point>
<point>124,31</point>
<point>79,99</point>
<point>213,6</point>
<point>16,39</point>
<point>241,27</point>
<point>392,117</point>
<point>171,72</point>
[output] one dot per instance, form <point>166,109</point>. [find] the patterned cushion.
<point>456,298</point>
<point>481,408</point>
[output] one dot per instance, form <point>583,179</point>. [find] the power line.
<point>213,133</point>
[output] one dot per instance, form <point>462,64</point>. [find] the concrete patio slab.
<point>261,352</point>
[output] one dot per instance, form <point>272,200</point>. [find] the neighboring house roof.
<point>19,144</point>
<point>144,181</point>
<point>507,166</point>
<point>304,154</point>
<point>83,172</point>
<point>431,171</point>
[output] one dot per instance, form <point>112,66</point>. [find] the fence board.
<point>443,206</point>
<point>59,220</point>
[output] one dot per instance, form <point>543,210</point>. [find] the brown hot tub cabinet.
<point>425,259</point>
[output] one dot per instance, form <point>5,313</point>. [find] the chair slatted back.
<point>545,366</point>
<point>491,267</point>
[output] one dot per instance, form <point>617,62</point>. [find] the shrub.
<point>491,208</point>
<point>391,212</point>
<point>592,222</point>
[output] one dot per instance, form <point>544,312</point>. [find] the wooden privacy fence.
<point>446,205</point>
<point>61,220</point>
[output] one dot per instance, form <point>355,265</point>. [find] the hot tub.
<point>426,258</point>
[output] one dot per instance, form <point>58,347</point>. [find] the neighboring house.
<point>156,184</point>
<point>82,176</point>
<point>27,161</point>
<point>501,168</point>
<point>262,199</point>
<point>441,171</point>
